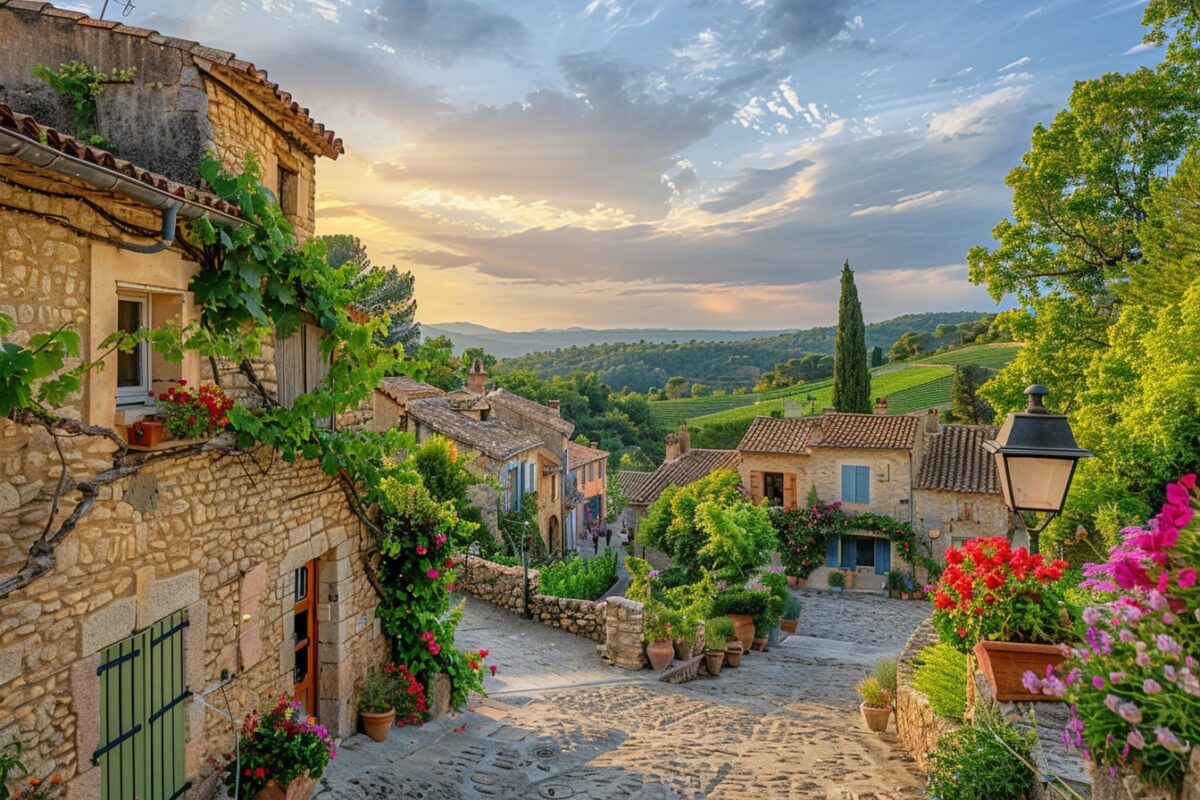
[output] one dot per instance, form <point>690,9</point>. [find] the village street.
<point>561,723</point>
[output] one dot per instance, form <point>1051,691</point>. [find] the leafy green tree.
<point>1168,236</point>
<point>876,356</point>
<point>851,377</point>
<point>390,291</point>
<point>700,390</point>
<point>966,404</point>
<point>444,368</point>
<point>913,344</point>
<point>675,387</point>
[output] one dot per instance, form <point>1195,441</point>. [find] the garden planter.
<point>743,624</point>
<point>1127,785</point>
<point>146,433</point>
<point>377,725</point>
<point>660,653</point>
<point>299,789</point>
<point>791,579</point>
<point>788,626</point>
<point>683,650</point>
<point>713,659</point>
<point>875,717</point>
<point>759,643</point>
<point>801,583</point>
<point>835,588</point>
<point>1005,663</point>
<point>733,653</point>
<point>905,595</point>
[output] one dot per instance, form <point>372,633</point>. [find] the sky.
<point>670,163</point>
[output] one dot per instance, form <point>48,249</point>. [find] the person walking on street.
<point>595,540</point>
<point>608,536</point>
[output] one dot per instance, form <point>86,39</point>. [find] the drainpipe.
<point>167,236</point>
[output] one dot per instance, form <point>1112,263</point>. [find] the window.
<point>866,551</point>
<point>967,512</point>
<point>773,488</point>
<point>515,488</point>
<point>601,469</point>
<point>299,366</point>
<point>591,472</point>
<point>856,484</point>
<point>289,189</point>
<point>142,694</point>
<point>133,368</point>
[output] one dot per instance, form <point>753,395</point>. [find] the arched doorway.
<point>555,536</point>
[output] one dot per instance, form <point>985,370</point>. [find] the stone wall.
<point>947,512</point>
<point>624,634</point>
<point>919,727</point>
<point>217,533</point>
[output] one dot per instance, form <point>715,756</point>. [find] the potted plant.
<point>791,614</point>
<point>894,583</point>
<point>281,754</point>
<point>1005,607</point>
<point>837,581</point>
<point>376,704</point>
<point>193,414</point>
<point>719,631</point>
<point>876,706</point>
<point>742,606</point>
<point>658,632</point>
<point>408,695</point>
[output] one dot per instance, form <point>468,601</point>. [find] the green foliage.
<point>446,474</point>
<point>764,607</point>
<point>580,578</point>
<point>675,387</point>
<point>388,292</point>
<point>913,344</point>
<point>377,693</point>
<point>791,606</point>
<point>776,582</point>
<point>35,375</point>
<point>885,673</point>
<point>851,377</point>
<point>81,85</point>
<point>710,525</point>
<point>876,356</point>
<point>281,745</point>
<point>639,579</point>
<point>941,675</point>
<point>10,764</point>
<point>719,629</point>
<point>984,759</point>
<point>837,579</point>
<point>966,404</point>
<point>804,532</point>
<point>872,693</point>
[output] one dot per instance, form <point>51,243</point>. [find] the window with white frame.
<point>133,368</point>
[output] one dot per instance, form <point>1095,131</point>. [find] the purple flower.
<point>1097,681</point>
<point>1031,682</point>
<point>1130,713</point>
<point>1116,677</point>
<point>1112,702</point>
<point>1151,686</point>
<point>1135,739</point>
<point>1167,645</point>
<point>1169,672</point>
<point>1170,741</point>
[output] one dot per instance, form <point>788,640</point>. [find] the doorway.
<point>305,636</point>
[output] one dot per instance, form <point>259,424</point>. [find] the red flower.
<point>192,420</point>
<point>483,653</point>
<point>259,772</point>
<point>493,670</point>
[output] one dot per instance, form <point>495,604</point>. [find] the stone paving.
<point>560,723</point>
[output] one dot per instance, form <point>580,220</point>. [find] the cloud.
<point>1020,62</point>
<point>753,184</point>
<point>1139,48</point>
<point>962,73</point>
<point>445,31</point>
<point>801,26</point>
<point>978,116</point>
<point>906,203</point>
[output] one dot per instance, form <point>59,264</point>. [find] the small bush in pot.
<point>894,583</point>
<point>837,580</point>
<point>282,746</point>
<point>885,673</point>
<point>746,606</point>
<point>983,759</point>
<point>876,704</point>
<point>718,631</point>
<point>791,614</point>
<point>376,704</point>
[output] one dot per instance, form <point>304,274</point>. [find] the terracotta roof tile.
<point>868,431</point>
<point>68,145</point>
<point>327,144</point>
<point>578,454</point>
<point>491,437</point>
<point>955,461</point>
<point>402,388</point>
<point>774,435</point>
<point>531,409</point>
<point>632,482</point>
<point>687,468</point>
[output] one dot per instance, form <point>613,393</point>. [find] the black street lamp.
<point>1035,454</point>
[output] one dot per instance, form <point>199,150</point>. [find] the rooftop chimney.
<point>881,405</point>
<point>477,377</point>
<point>931,421</point>
<point>594,445</point>
<point>685,438</point>
<point>672,442</point>
<point>553,406</point>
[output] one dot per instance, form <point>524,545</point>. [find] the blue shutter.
<point>847,484</point>
<point>863,484</point>
<point>883,556</point>
<point>849,552</point>
<point>831,552</point>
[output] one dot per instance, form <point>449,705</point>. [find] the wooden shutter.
<point>142,696</point>
<point>862,481</point>
<point>831,551</point>
<point>848,484</point>
<point>883,556</point>
<point>289,368</point>
<point>756,486</point>
<point>849,552</point>
<point>789,490</point>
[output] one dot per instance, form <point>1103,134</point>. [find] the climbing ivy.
<point>81,85</point>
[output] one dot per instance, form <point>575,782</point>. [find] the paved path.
<point>560,723</point>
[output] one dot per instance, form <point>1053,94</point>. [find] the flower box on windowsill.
<point>146,433</point>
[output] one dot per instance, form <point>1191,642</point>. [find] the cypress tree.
<point>851,377</point>
<point>876,356</point>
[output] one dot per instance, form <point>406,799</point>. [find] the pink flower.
<point>1151,686</point>
<point>1130,713</point>
<point>1170,741</point>
<point>421,550</point>
<point>432,574</point>
<point>1186,578</point>
<point>1135,739</point>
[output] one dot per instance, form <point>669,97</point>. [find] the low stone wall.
<point>919,727</point>
<point>580,617</point>
<point>624,639</point>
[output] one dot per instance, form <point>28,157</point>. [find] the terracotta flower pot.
<point>875,718</point>
<point>801,583</point>
<point>660,653</point>
<point>713,659</point>
<point>743,625</point>
<point>759,643</point>
<point>788,626</point>
<point>299,789</point>
<point>683,650</point>
<point>377,725</point>
<point>733,653</point>
<point>146,433</point>
<point>792,579</point>
<point>905,595</point>
<point>1005,663</point>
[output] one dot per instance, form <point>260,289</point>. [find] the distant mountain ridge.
<point>729,360</point>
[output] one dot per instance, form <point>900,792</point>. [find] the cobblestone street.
<point>561,723</point>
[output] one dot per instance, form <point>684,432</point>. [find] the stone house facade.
<point>586,471</point>
<point>909,467</point>
<point>191,577</point>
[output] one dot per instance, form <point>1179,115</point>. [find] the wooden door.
<point>305,636</point>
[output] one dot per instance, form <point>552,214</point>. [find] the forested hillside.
<point>717,365</point>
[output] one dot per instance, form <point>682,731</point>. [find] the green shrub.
<point>719,629</point>
<point>941,675</point>
<point>579,578</point>
<point>776,582</point>
<point>873,693</point>
<point>791,607</point>
<point>837,579</point>
<point>676,576</point>
<point>983,759</point>
<point>505,560</point>
<point>885,673</point>
<point>896,581</point>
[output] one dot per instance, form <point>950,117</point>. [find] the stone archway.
<point>555,535</point>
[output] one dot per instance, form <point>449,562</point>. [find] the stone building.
<point>586,471</point>
<point>908,467</point>
<point>189,577</point>
<point>681,466</point>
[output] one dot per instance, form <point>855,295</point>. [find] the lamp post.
<point>1036,455</point>
<point>525,569</point>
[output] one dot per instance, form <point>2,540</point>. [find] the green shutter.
<point>142,696</point>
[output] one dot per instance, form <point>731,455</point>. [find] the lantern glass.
<point>1034,483</point>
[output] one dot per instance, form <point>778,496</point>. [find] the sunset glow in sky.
<point>670,163</point>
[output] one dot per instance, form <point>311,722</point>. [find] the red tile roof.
<point>324,141</point>
<point>687,468</point>
<point>955,461</point>
<point>68,145</point>
<point>579,454</point>
<point>632,482</point>
<point>868,431</point>
<point>775,435</point>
